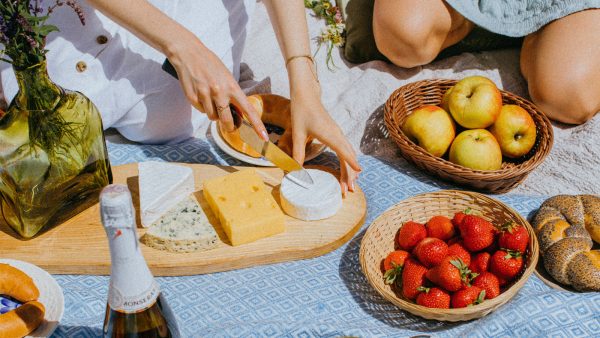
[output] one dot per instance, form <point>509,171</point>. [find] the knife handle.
<point>168,67</point>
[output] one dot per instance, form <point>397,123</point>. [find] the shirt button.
<point>101,39</point>
<point>81,66</point>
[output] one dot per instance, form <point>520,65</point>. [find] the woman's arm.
<point>205,80</point>
<point>309,117</point>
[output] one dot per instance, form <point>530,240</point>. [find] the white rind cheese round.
<point>321,200</point>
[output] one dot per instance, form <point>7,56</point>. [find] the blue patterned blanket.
<point>326,296</point>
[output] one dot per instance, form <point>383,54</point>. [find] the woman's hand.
<point>206,82</point>
<point>310,119</point>
<point>209,85</point>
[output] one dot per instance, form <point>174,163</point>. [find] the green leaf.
<point>46,29</point>
<point>393,275</point>
<point>511,254</point>
<point>481,297</point>
<point>458,263</point>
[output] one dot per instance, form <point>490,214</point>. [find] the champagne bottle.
<point>135,306</point>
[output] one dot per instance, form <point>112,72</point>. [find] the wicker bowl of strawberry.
<point>449,255</point>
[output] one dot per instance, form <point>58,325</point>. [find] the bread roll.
<point>567,227</point>
<point>22,320</point>
<point>16,284</point>
<point>272,109</point>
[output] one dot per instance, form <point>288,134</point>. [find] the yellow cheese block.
<point>246,210</point>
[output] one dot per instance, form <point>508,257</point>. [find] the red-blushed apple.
<point>430,127</point>
<point>476,149</point>
<point>475,102</point>
<point>514,130</point>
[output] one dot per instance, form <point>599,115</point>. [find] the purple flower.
<point>73,4</point>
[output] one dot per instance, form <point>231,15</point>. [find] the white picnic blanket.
<point>354,95</point>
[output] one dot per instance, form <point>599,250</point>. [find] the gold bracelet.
<point>310,58</point>
<point>297,57</point>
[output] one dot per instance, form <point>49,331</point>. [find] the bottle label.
<point>132,303</point>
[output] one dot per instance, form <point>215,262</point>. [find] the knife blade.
<point>273,153</point>
<point>268,150</point>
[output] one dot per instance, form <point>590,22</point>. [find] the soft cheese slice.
<point>162,186</point>
<point>246,210</point>
<point>185,228</point>
<point>321,200</point>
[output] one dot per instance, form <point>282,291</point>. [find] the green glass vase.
<point>53,157</point>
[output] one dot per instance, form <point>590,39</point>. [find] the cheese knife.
<point>267,149</point>
<point>271,152</point>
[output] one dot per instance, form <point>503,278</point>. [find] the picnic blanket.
<point>326,296</point>
<point>329,296</point>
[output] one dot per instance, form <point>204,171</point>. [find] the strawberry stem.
<point>423,289</point>
<point>511,254</point>
<point>508,226</point>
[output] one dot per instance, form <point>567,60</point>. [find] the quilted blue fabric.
<point>326,296</point>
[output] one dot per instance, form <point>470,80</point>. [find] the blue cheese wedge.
<point>162,186</point>
<point>184,228</point>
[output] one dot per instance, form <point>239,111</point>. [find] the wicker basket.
<point>406,99</point>
<point>379,241</point>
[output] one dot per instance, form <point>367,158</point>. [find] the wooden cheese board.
<point>79,245</point>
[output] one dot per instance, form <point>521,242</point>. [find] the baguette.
<point>22,320</point>
<point>16,284</point>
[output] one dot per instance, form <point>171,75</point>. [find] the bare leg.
<point>413,32</point>
<point>561,63</point>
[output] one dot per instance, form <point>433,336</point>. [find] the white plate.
<point>314,150</point>
<point>51,296</point>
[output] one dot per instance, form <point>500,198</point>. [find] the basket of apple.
<point>449,255</point>
<point>469,132</point>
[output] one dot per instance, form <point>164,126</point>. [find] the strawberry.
<point>410,234</point>
<point>457,249</point>
<point>454,239</point>
<point>434,298</point>
<point>459,216</point>
<point>430,251</point>
<point>440,227</point>
<point>472,295</point>
<point>393,264</point>
<point>513,237</point>
<point>413,276</point>
<point>451,274</point>
<point>480,262</point>
<point>502,281</point>
<point>489,282</point>
<point>506,264</point>
<point>477,233</point>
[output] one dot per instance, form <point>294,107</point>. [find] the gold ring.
<point>221,108</point>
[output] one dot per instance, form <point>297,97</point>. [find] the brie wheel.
<point>321,200</point>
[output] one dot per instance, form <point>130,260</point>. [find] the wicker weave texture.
<point>408,98</point>
<point>379,241</point>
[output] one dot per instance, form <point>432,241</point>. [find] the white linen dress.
<point>122,75</point>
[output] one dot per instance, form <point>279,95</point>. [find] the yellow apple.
<point>445,99</point>
<point>475,102</point>
<point>430,127</point>
<point>476,149</point>
<point>515,131</point>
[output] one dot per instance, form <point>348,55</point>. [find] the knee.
<point>407,41</point>
<point>572,100</point>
